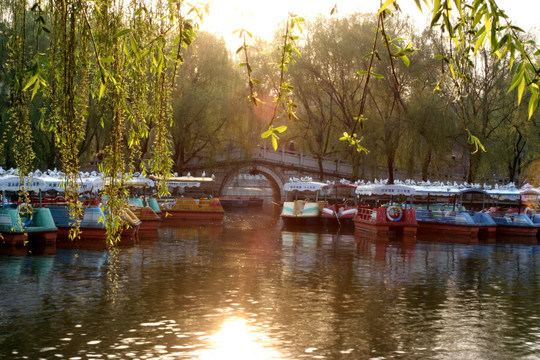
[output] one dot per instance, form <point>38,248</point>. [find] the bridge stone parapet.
<point>276,166</point>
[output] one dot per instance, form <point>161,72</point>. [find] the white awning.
<point>311,186</point>
<point>385,190</point>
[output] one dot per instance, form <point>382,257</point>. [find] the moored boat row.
<point>46,218</point>
<point>410,208</point>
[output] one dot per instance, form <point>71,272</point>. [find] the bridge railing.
<point>283,157</point>
<point>300,160</point>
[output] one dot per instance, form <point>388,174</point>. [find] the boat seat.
<point>423,214</point>
<point>522,219</point>
<point>464,218</point>
<point>481,218</point>
<point>502,220</point>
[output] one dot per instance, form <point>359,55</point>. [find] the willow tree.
<point>206,116</point>
<point>468,28</point>
<point>326,84</point>
<point>111,60</point>
<point>138,48</point>
<point>18,126</point>
<point>281,58</point>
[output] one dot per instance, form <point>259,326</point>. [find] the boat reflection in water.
<point>28,250</point>
<point>250,290</point>
<point>190,231</point>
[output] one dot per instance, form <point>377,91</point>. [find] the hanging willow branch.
<point>68,96</point>
<point>283,98</point>
<point>19,127</point>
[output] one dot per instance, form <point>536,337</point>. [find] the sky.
<point>260,17</point>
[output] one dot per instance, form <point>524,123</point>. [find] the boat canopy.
<point>301,186</point>
<point>381,189</point>
<point>139,181</point>
<point>12,182</point>
<point>512,193</point>
<point>185,181</point>
<point>446,190</point>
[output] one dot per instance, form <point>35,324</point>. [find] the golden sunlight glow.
<point>237,340</point>
<point>261,17</point>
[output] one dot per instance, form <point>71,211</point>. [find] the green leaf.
<point>436,14</point>
<point>32,80</point>
<point>101,90</point>
<point>140,10</point>
<point>344,137</point>
<point>385,5</point>
<point>267,133</point>
<point>281,129</point>
<point>274,142</point>
<point>378,76</point>
<point>107,60</point>
<point>473,140</point>
<point>518,77</point>
<point>121,33</point>
<point>362,73</point>
<point>480,42</point>
<point>521,88</point>
<point>36,87</point>
<point>405,60</point>
<point>533,102</point>
<point>135,47</point>
<point>448,24</point>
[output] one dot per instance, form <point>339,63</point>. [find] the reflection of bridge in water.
<point>276,166</point>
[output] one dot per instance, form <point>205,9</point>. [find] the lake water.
<point>252,290</point>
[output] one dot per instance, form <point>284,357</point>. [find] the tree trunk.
<point>321,168</point>
<point>425,165</point>
<point>474,164</point>
<point>390,165</point>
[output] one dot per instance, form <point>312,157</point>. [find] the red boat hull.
<point>376,221</point>
<point>94,238</point>
<point>461,230</point>
<point>19,239</point>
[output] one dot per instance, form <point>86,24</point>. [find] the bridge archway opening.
<point>273,178</point>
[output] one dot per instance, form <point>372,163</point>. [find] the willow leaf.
<point>521,88</point>
<point>121,33</point>
<point>267,133</point>
<point>533,102</point>
<point>386,4</point>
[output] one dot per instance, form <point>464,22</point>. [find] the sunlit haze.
<point>261,17</point>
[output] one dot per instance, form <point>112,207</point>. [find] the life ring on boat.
<point>529,212</point>
<point>26,213</point>
<point>394,213</point>
<point>131,218</point>
<point>59,200</point>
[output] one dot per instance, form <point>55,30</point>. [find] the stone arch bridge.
<point>276,166</point>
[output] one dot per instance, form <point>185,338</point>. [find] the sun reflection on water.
<point>238,340</point>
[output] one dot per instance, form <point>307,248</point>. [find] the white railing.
<point>285,157</point>
<point>301,160</point>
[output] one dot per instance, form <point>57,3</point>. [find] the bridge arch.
<point>273,175</point>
